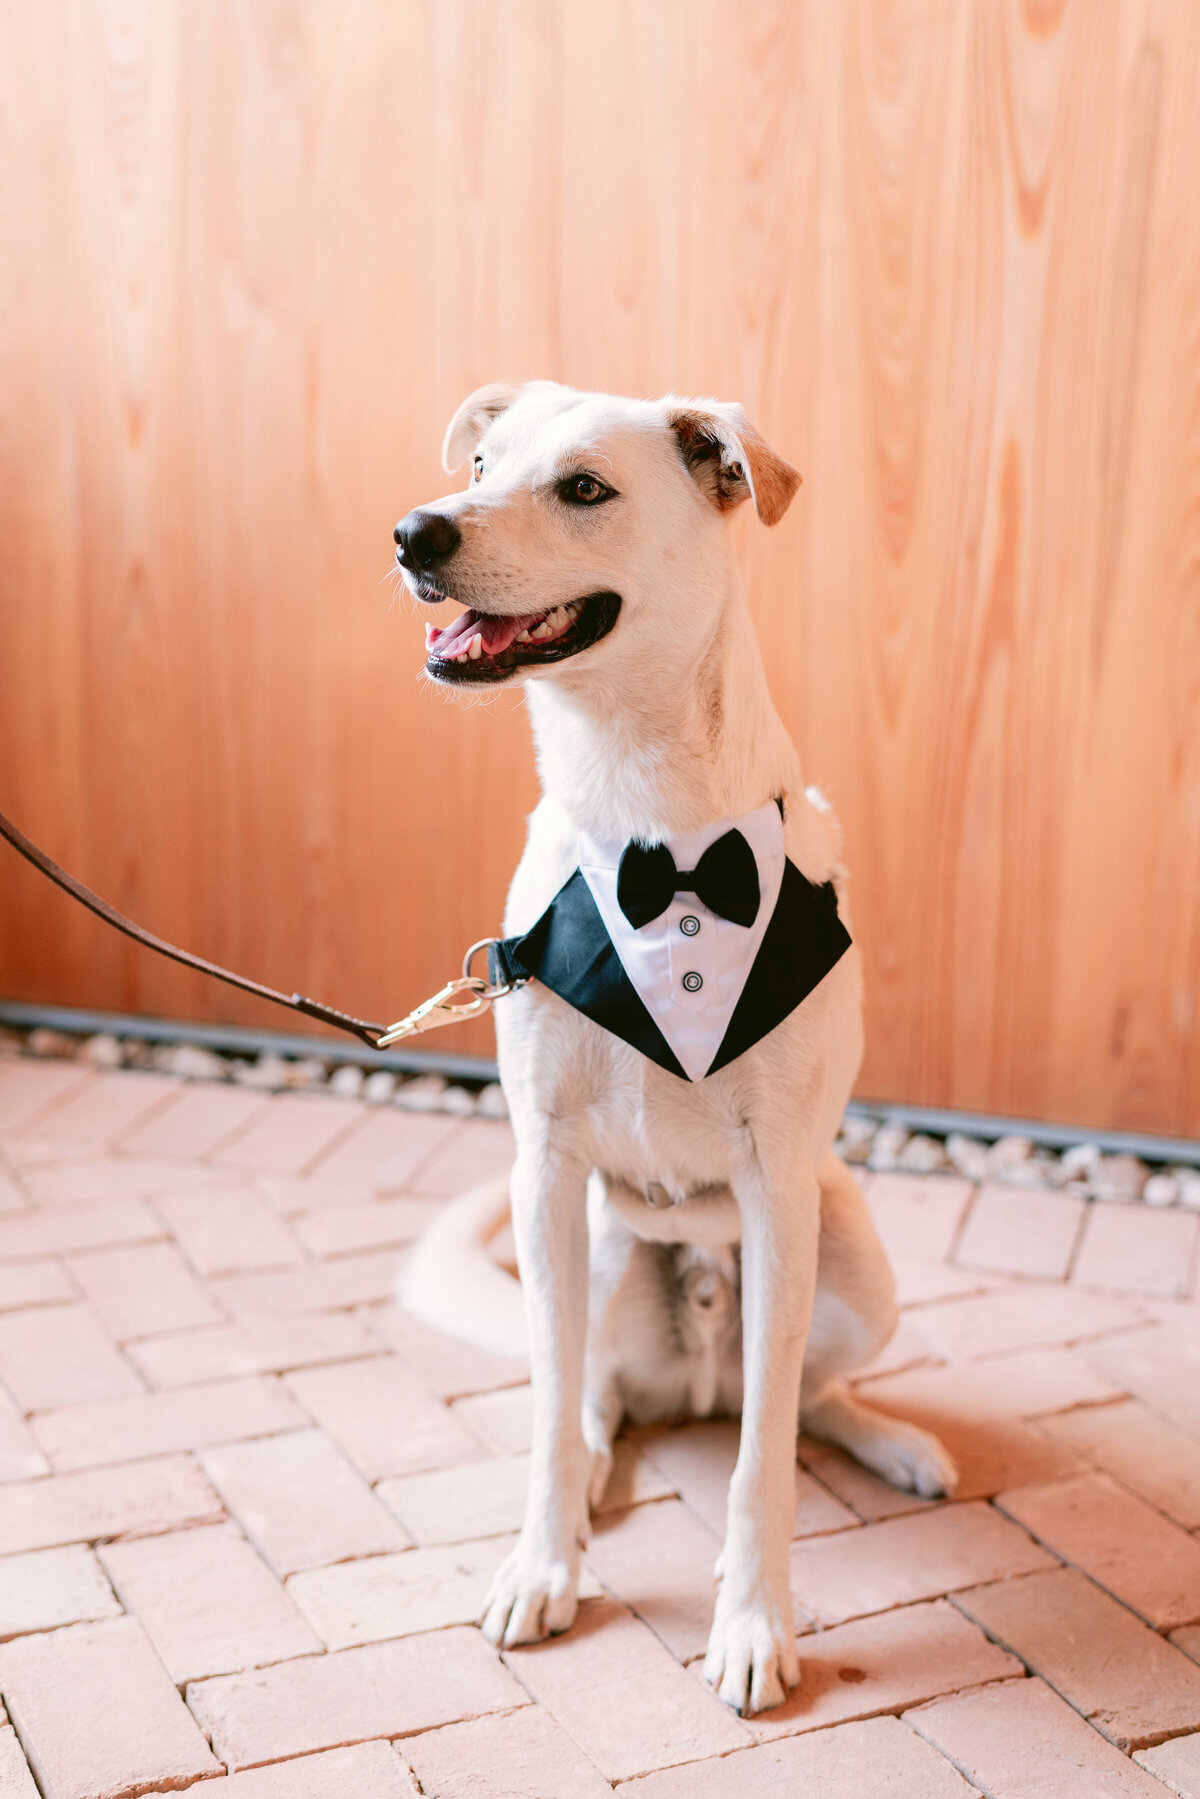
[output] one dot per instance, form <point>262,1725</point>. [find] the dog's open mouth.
<point>489,646</point>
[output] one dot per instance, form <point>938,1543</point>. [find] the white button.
<point>690,925</point>
<point>692,982</point>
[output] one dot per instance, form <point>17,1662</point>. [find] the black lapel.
<point>802,942</point>
<point>570,952</point>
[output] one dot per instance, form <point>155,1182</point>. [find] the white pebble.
<point>347,1080</point>
<point>190,1061</point>
<point>270,1071</point>
<point>968,1155</point>
<point>1077,1160</point>
<point>1189,1187</point>
<point>103,1050</point>
<point>1117,1177</point>
<point>492,1103</point>
<point>309,1071</point>
<point>921,1155</point>
<point>43,1042</point>
<point>1161,1190</point>
<point>424,1094</point>
<point>458,1100</point>
<point>379,1087</point>
<point>1008,1153</point>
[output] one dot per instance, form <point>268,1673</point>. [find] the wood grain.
<point>252,254</point>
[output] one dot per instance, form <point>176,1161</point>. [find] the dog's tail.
<point>452,1282</point>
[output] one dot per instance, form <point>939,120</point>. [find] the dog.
<point>686,1238</point>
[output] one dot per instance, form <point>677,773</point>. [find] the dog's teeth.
<point>542,630</point>
<point>522,637</point>
<point>475,647</point>
<point>461,658</point>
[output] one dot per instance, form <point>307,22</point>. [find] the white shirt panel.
<point>663,960</point>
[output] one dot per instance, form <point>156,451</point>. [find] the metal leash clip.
<point>441,1009</point>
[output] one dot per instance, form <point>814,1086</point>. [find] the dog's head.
<point>586,520</point>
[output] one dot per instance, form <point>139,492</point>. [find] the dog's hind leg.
<point>854,1315</point>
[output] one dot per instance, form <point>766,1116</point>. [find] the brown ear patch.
<point>731,461</point>
<point>472,419</point>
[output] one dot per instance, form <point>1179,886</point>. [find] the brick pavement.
<point>248,1507</point>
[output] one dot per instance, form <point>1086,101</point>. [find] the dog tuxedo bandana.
<point>690,950</point>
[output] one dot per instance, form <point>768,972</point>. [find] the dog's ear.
<point>472,420</point>
<point>729,460</point>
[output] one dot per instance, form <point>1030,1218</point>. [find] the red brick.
<point>1162,1369</point>
<point>918,1215</point>
<point>46,1588</point>
<point>699,1459</point>
<point>92,1180</point>
<point>317,1287</point>
<point>1025,1316</point>
<point>377,1224</point>
<point>1118,1673</point>
<point>383,1418</point>
<point>252,1346</point>
<point>20,1457</point>
<point>477,1150</point>
<point>382,1690</point>
<point>1118,1540</point>
<point>97,1713</point>
<point>522,1756</point>
<point>906,1348</point>
<point>633,1480</point>
<point>451,1367</point>
<point>456,1505</point>
<point>386,1596</point>
<point>207,1603</point>
<point>1138,1249</point>
<point>126,1430</point>
<point>386,1151</point>
<point>1019,1739</point>
<point>28,1088</point>
<point>502,1420</point>
<point>300,1502</point>
<point>920,1282</point>
<point>229,1232</point>
<point>368,1771</point>
<point>59,1355</point>
<point>135,1500</point>
<point>144,1289</point>
<point>13,1197</point>
<point>881,1664</point>
<point>291,1132</point>
<point>57,1231</point>
<point>623,1697</point>
<point>1021,1230</point>
<point>877,1759</point>
<point>16,1782</point>
<point>976,1408</point>
<point>42,1283</point>
<point>197,1121</point>
<point>101,1111</point>
<point>1176,1764</point>
<point>659,1560</point>
<point>289,1194</point>
<point>906,1559</point>
<point>1143,1451</point>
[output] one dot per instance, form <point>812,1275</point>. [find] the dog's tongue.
<point>497,633</point>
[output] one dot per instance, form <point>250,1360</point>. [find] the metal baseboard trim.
<point>940,1123</point>
<point>236,1040</point>
<point>241,1042</point>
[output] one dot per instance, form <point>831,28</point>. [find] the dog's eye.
<point>583,490</point>
<point>478,469</point>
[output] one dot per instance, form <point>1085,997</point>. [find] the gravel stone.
<point>346,1081</point>
<point>968,1155</point>
<point>379,1087</point>
<point>103,1050</point>
<point>890,1140</point>
<point>424,1094</point>
<point>190,1061</point>
<point>491,1102</point>
<point>1161,1190</point>
<point>921,1155</point>
<point>1117,1177</point>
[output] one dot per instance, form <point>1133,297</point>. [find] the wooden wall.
<point>252,253</point>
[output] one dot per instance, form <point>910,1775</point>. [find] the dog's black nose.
<point>426,540</point>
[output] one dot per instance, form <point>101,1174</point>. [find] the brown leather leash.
<point>436,1011</point>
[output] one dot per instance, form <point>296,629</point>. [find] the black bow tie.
<point>725,880</point>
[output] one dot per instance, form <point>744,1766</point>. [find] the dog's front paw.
<point>531,1597</point>
<point>751,1662</point>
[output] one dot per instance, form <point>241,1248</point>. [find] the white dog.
<point>677,1067</point>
